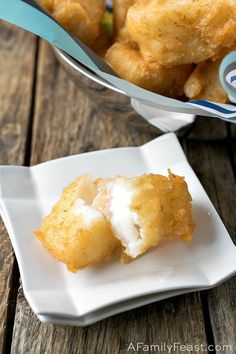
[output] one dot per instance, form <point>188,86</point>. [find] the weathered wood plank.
<point>68,117</point>
<point>177,320</point>
<point>208,128</point>
<point>66,122</point>
<point>17,56</point>
<point>212,165</point>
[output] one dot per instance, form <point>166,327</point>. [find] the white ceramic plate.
<point>112,310</point>
<point>55,294</point>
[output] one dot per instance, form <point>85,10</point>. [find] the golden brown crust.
<point>47,4</point>
<point>176,32</point>
<point>120,9</point>
<point>102,43</point>
<point>163,206</point>
<point>204,82</point>
<point>167,81</point>
<point>81,17</point>
<point>67,238</point>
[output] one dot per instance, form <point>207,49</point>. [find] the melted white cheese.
<point>88,213</point>
<point>124,221</point>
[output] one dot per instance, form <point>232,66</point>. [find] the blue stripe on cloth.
<point>211,105</point>
<point>233,78</point>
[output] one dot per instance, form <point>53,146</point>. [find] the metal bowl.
<point>113,99</point>
<point>94,86</point>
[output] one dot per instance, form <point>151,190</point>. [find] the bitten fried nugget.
<point>92,218</point>
<point>76,233</point>
<point>129,64</point>
<point>204,82</point>
<point>146,209</point>
<point>175,32</point>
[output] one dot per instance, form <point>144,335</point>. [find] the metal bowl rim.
<point>82,70</point>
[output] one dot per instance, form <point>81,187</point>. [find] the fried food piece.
<point>204,83</point>
<point>94,8</point>
<point>75,233</point>
<point>102,43</point>
<point>146,209</point>
<point>81,17</point>
<point>47,4</point>
<point>175,32</point>
<point>120,9</point>
<point>129,64</point>
<point>124,36</point>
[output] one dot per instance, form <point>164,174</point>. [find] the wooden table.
<point>43,115</point>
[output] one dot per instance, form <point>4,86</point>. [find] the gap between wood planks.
<point>28,144</point>
<point>11,307</point>
<point>15,281</point>
<point>231,147</point>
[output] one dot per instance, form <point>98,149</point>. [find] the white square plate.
<point>57,295</point>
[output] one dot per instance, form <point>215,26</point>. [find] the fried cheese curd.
<point>204,82</point>
<point>102,43</point>
<point>75,233</point>
<point>47,4</point>
<point>176,32</point>
<point>81,17</point>
<point>120,9</point>
<point>94,217</point>
<point>146,209</point>
<point>129,65</point>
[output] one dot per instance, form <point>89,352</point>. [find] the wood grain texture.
<point>176,320</point>
<point>208,128</point>
<point>66,122</point>
<point>211,162</point>
<point>113,102</point>
<point>17,57</point>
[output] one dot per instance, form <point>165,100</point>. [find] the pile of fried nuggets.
<point>94,217</point>
<point>171,47</point>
